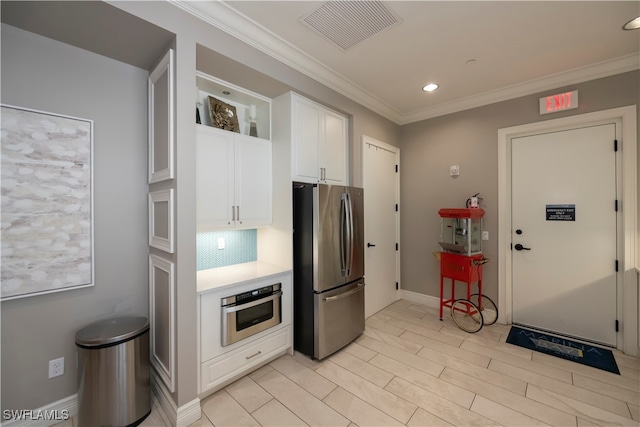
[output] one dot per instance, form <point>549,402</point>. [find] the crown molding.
<point>571,77</point>
<point>227,19</point>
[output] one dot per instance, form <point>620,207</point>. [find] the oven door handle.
<point>234,308</point>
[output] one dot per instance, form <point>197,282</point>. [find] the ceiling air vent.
<point>347,23</point>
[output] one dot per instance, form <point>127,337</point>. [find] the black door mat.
<point>564,348</point>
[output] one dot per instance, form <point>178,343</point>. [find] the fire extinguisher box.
<point>461,230</point>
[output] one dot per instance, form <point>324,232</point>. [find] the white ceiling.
<point>518,48</point>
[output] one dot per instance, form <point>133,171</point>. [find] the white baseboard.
<point>430,301</point>
<point>36,417</point>
<point>418,298</point>
<point>160,396</point>
<point>169,411</point>
<point>189,413</point>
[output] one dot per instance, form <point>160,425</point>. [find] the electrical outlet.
<point>485,235</point>
<point>56,367</point>
<point>454,170</point>
<point>220,242</point>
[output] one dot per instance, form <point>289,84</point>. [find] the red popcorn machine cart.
<point>461,260</point>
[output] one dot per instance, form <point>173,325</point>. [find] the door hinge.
<point>396,246</point>
<point>396,207</point>
<point>616,266</point>
<point>617,325</point>
<point>396,286</point>
<point>615,145</point>
<point>396,168</point>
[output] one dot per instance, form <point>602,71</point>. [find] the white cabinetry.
<point>233,180</point>
<point>220,365</point>
<point>318,141</point>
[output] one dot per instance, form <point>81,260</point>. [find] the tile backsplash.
<point>239,246</point>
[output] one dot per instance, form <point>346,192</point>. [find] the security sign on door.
<point>564,232</point>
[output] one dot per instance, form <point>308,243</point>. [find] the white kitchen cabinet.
<point>233,180</point>
<point>319,142</point>
<point>220,365</point>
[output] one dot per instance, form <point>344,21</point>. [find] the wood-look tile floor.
<point>410,368</point>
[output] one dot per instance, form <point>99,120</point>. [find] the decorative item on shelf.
<point>253,128</point>
<point>198,120</point>
<point>223,115</point>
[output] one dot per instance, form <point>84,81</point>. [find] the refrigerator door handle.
<point>350,234</point>
<point>344,243</point>
<point>346,234</point>
<point>346,294</point>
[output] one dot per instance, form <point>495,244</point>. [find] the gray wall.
<point>46,75</point>
<point>470,139</point>
<point>43,74</point>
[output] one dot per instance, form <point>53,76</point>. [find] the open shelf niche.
<point>243,100</point>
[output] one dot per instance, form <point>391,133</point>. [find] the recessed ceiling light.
<point>430,87</point>
<point>634,24</point>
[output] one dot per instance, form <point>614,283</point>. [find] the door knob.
<point>370,245</point>
<point>519,247</point>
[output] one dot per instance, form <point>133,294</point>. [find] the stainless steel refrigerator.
<point>328,267</point>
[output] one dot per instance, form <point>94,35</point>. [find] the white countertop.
<point>237,274</point>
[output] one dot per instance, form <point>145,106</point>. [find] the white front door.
<point>380,182</point>
<point>564,232</point>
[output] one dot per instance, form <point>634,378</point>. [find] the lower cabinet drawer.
<point>221,370</point>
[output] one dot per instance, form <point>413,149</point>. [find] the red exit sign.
<point>559,102</point>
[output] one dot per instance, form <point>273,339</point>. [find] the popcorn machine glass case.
<point>461,230</point>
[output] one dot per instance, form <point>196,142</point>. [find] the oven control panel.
<point>251,295</point>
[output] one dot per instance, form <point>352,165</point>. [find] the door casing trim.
<point>628,297</point>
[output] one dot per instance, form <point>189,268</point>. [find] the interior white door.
<point>564,232</point>
<point>380,181</point>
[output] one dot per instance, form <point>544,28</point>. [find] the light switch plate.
<point>220,242</point>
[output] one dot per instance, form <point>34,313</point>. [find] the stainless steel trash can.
<point>114,372</point>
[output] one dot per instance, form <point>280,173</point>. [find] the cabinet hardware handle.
<point>233,213</point>
<point>238,213</point>
<point>253,355</point>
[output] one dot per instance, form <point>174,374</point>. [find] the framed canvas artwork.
<point>47,202</point>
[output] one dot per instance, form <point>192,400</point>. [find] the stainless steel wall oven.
<point>250,312</point>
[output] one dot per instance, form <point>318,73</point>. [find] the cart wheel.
<point>466,315</point>
<point>487,307</point>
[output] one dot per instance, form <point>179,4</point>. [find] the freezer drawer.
<point>339,318</point>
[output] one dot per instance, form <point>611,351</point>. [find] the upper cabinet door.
<point>233,184</point>
<point>214,178</point>
<point>318,143</point>
<point>306,134</point>
<point>161,120</point>
<point>333,153</point>
<point>253,188</point>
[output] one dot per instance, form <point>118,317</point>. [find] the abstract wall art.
<point>47,202</point>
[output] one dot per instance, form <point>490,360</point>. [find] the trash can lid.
<point>111,331</point>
